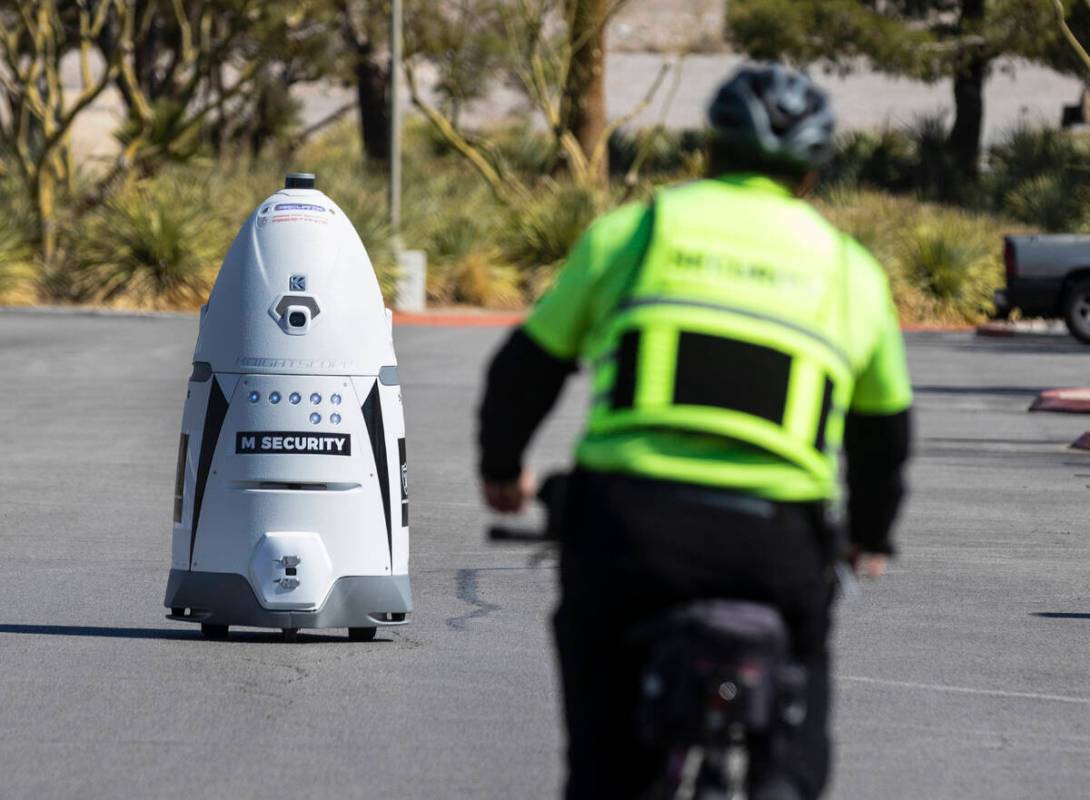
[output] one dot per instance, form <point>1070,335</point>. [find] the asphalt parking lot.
<point>962,675</point>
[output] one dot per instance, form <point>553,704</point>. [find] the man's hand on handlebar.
<point>510,497</point>
<point>868,565</point>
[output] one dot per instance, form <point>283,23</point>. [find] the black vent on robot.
<point>299,180</point>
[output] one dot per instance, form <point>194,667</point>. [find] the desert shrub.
<point>1049,202</point>
<point>944,264</point>
<point>479,278</point>
<point>17,271</point>
<point>1040,176</point>
<point>522,148</point>
<point>666,152</point>
<point>954,262</point>
<point>155,244</point>
<point>1026,152</point>
<point>935,175</point>
<point>542,233</point>
<point>19,274</point>
<point>885,159</point>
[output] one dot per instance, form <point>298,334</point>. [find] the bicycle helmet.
<point>776,112</point>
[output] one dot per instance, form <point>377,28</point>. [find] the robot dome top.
<point>297,294</point>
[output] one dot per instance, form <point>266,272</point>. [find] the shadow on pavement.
<point>193,634</point>
<point>1061,615</point>
<point>109,633</point>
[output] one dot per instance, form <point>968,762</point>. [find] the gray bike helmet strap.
<point>776,111</point>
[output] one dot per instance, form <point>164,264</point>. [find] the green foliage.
<point>464,41</point>
<point>522,147</point>
<point>1053,50</point>
<point>542,233</point>
<point>954,263</point>
<point>920,38</point>
<point>156,244</point>
<point>1027,151</point>
<point>17,268</point>
<point>923,39</point>
<point>944,264</point>
<point>1041,176</point>
<point>837,31</point>
<point>885,159</point>
<point>1049,202</point>
<point>913,159</point>
<point>664,152</point>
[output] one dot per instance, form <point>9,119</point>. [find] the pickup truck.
<point>1048,276</point>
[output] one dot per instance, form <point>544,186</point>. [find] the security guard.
<point>737,342</point>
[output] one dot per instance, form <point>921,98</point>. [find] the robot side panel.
<point>202,418</point>
<point>398,464</point>
<point>385,422</point>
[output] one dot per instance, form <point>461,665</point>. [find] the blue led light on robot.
<point>315,417</point>
<point>335,419</point>
<point>255,396</point>
<point>335,399</point>
<point>274,398</point>
<point>294,398</point>
<point>315,398</point>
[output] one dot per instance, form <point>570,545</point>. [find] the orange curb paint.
<point>458,320</point>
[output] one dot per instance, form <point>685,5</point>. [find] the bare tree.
<point>364,30</point>
<point>583,102</point>
<point>1069,34</point>
<point>36,126</point>
<point>539,60</point>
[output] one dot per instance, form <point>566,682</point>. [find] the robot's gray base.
<point>224,598</point>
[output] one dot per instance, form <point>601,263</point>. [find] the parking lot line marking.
<point>938,687</point>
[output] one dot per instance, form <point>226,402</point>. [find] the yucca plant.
<point>544,232</point>
<point>886,159</point>
<point>1049,202</point>
<point>480,278</point>
<point>1027,151</point>
<point>954,262</point>
<point>152,245</point>
<point>17,273</point>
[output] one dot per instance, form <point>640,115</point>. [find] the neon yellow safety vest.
<point>748,321</point>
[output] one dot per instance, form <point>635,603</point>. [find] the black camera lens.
<point>297,319</point>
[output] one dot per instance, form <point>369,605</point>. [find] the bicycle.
<point>719,693</point>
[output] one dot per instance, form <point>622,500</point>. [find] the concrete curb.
<point>1035,327</point>
<point>1064,401</point>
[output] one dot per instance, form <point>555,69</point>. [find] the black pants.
<point>632,548</point>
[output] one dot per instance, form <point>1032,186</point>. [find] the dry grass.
<point>158,243</point>
<point>944,264</point>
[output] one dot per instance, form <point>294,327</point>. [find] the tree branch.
<point>1080,51</point>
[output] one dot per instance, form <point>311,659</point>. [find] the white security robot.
<point>291,503</point>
